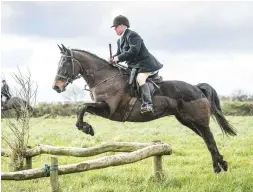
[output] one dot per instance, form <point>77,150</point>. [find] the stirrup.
<point>147,108</point>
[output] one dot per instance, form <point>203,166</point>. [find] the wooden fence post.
<point>54,175</point>
<point>157,167</point>
<point>157,164</point>
<point>28,162</point>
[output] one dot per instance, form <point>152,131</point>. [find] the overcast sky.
<point>197,42</point>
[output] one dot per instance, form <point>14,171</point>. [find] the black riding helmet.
<point>120,20</point>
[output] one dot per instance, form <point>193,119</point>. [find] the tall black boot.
<point>147,105</point>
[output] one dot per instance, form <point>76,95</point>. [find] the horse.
<point>192,105</point>
<point>18,105</point>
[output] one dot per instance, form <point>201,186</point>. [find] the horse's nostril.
<point>55,87</point>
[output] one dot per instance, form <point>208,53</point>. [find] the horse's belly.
<point>163,106</point>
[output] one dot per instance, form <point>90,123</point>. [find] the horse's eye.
<point>65,63</point>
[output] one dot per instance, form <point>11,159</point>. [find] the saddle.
<point>152,82</point>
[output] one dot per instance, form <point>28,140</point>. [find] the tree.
<point>18,132</point>
<point>239,95</point>
<point>73,93</point>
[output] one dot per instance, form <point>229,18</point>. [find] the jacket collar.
<point>123,33</point>
<point>123,38</point>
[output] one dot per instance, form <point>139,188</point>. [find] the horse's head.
<point>75,63</point>
<point>68,70</point>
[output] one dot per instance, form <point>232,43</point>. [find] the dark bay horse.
<point>192,105</point>
<point>18,105</point>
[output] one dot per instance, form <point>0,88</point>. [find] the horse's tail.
<point>216,111</point>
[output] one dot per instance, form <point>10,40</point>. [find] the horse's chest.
<point>105,92</point>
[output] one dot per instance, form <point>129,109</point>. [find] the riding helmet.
<point>120,20</point>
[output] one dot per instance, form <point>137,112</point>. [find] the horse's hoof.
<point>217,169</point>
<point>224,165</point>
<point>85,127</point>
<point>88,129</point>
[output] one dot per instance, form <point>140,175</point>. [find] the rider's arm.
<point>135,42</point>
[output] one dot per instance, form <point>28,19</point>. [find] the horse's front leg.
<point>99,108</point>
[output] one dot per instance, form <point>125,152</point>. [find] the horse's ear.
<point>61,49</point>
<point>66,50</point>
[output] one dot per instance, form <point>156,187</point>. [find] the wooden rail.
<point>137,152</point>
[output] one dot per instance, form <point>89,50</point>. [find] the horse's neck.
<point>101,75</point>
<point>96,72</point>
<point>95,69</point>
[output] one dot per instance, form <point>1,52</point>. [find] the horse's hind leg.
<point>206,134</point>
<point>198,113</point>
<point>187,123</point>
<point>218,161</point>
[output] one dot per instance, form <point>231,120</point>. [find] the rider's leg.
<point>5,101</point>
<point>147,105</point>
<point>2,101</point>
<point>8,96</point>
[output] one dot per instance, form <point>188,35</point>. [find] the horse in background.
<point>17,104</point>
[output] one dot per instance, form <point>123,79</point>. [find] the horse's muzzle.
<point>59,89</point>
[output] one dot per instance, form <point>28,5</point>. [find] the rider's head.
<point>3,81</point>
<point>120,23</point>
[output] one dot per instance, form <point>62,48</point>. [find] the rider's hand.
<point>110,60</point>
<point>116,59</point>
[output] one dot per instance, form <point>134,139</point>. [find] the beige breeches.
<point>142,77</point>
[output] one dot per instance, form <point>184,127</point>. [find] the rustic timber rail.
<point>137,152</point>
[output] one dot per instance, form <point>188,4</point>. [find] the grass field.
<point>189,168</point>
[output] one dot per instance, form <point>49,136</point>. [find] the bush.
<point>56,109</point>
<point>237,108</point>
<point>68,109</point>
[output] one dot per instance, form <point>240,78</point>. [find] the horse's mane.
<point>100,59</point>
<point>92,54</point>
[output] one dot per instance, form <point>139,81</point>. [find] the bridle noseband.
<point>73,76</point>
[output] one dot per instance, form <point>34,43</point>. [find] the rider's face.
<point>119,29</point>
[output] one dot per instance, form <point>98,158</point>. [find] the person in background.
<point>5,92</point>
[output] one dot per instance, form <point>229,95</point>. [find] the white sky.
<point>196,42</point>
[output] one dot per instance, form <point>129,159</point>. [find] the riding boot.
<point>147,105</point>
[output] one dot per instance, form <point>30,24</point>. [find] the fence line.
<point>138,151</point>
<point>107,161</point>
<point>82,152</point>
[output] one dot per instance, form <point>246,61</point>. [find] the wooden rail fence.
<point>137,152</point>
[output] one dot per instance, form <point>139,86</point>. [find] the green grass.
<point>189,168</point>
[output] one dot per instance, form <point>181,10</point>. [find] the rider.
<point>5,91</point>
<point>132,49</point>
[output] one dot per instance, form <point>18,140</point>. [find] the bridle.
<point>73,76</point>
<point>83,72</point>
